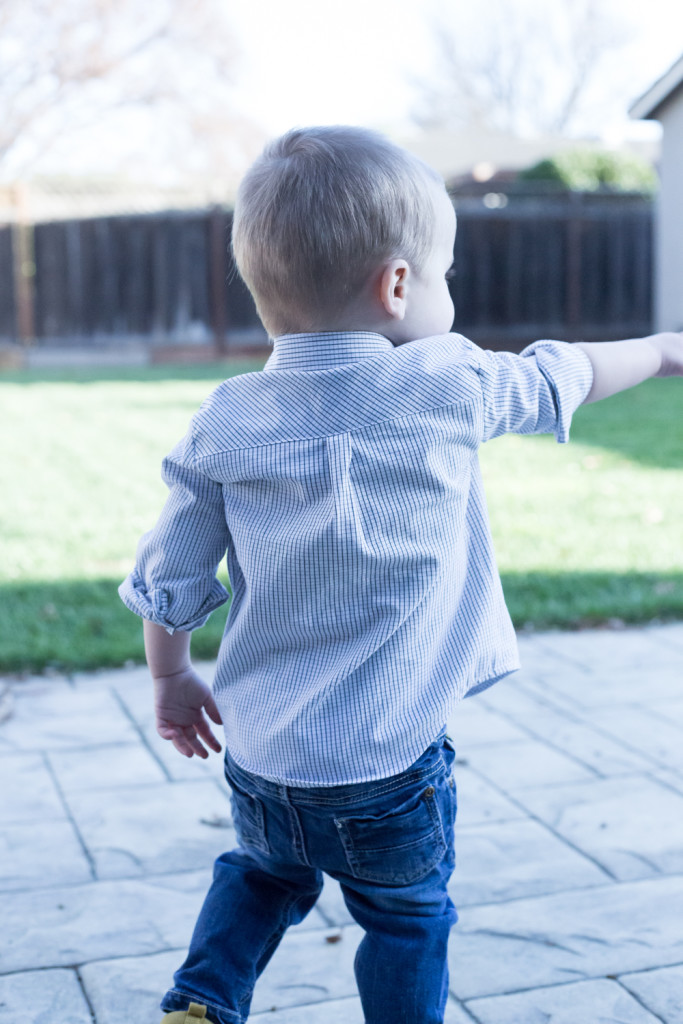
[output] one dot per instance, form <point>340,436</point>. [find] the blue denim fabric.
<point>390,845</point>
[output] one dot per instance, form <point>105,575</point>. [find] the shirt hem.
<point>480,687</point>
<point>282,780</point>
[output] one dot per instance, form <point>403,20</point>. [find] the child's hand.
<point>180,701</point>
<point>670,347</point>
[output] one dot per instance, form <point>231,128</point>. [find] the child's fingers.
<point>212,710</point>
<point>204,730</point>
<point>182,747</point>
<point>192,743</point>
<point>185,740</point>
<point>181,744</point>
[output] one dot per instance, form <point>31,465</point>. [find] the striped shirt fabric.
<point>343,483</point>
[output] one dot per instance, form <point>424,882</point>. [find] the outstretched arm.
<point>181,697</point>
<point>618,365</point>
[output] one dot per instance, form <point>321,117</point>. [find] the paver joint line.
<point>143,739</point>
<point>636,998</point>
<point>86,852</point>
<point>85,994</point>
<point>528,814</point>
<point>601,918</point>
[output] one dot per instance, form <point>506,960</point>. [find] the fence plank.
<point>554,267</point>
<point>572,267</point>
<point>8,323</point>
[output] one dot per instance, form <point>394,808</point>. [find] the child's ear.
<point>393,288</point>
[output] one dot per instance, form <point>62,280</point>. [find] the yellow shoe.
<point>196,1012</point>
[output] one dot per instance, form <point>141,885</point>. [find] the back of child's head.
<point>320,211</point>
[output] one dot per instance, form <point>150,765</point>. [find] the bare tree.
<point>521,67</point>
<point>65,66</point>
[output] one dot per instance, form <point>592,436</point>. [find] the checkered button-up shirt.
<point>343,483</point>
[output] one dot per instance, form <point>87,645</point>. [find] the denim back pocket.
<point>397,847</point>
<point>248,818</point>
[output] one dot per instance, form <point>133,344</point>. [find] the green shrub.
<point>587,170</point>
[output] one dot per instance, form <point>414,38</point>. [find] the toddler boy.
<point>343,483</point>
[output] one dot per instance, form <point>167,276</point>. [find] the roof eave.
<point>649,105</point>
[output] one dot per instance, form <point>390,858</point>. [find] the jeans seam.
<point>370,794</point>
<point>384,786</point>
<point>439,846</point>
<point>297,833</point>
<point>257,838</point>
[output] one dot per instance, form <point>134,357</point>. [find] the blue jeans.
<point>390,845</point>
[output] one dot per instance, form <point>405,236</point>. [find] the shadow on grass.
<point>577,600</point>
<point>78,624</point>
<point>83,625</point>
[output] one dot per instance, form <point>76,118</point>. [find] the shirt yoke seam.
<point>326,437</point>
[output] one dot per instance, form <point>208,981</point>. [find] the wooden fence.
<point>564,267</point>
<point>569,266</point>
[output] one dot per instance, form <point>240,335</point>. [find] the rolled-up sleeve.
<point>174,580</point>
<point>535,392</point>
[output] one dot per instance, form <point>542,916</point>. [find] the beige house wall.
<point>669,244</point>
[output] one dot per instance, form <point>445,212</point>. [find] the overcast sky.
<point>319,62</point>
<point>308,61</point>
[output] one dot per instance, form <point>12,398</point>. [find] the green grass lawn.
<point>584,532</point>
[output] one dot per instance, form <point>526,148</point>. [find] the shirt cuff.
<point>569,373</point>
<point>156,604</point>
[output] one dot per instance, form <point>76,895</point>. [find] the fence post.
<point>23,266</point>
<point>574,233</point>
<point>218,278</point>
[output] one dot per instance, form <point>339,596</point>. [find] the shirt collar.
<point>325,350</point>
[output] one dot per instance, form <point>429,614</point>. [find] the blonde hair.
<point>318,212</point>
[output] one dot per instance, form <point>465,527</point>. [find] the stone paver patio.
<point>569,846</point>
